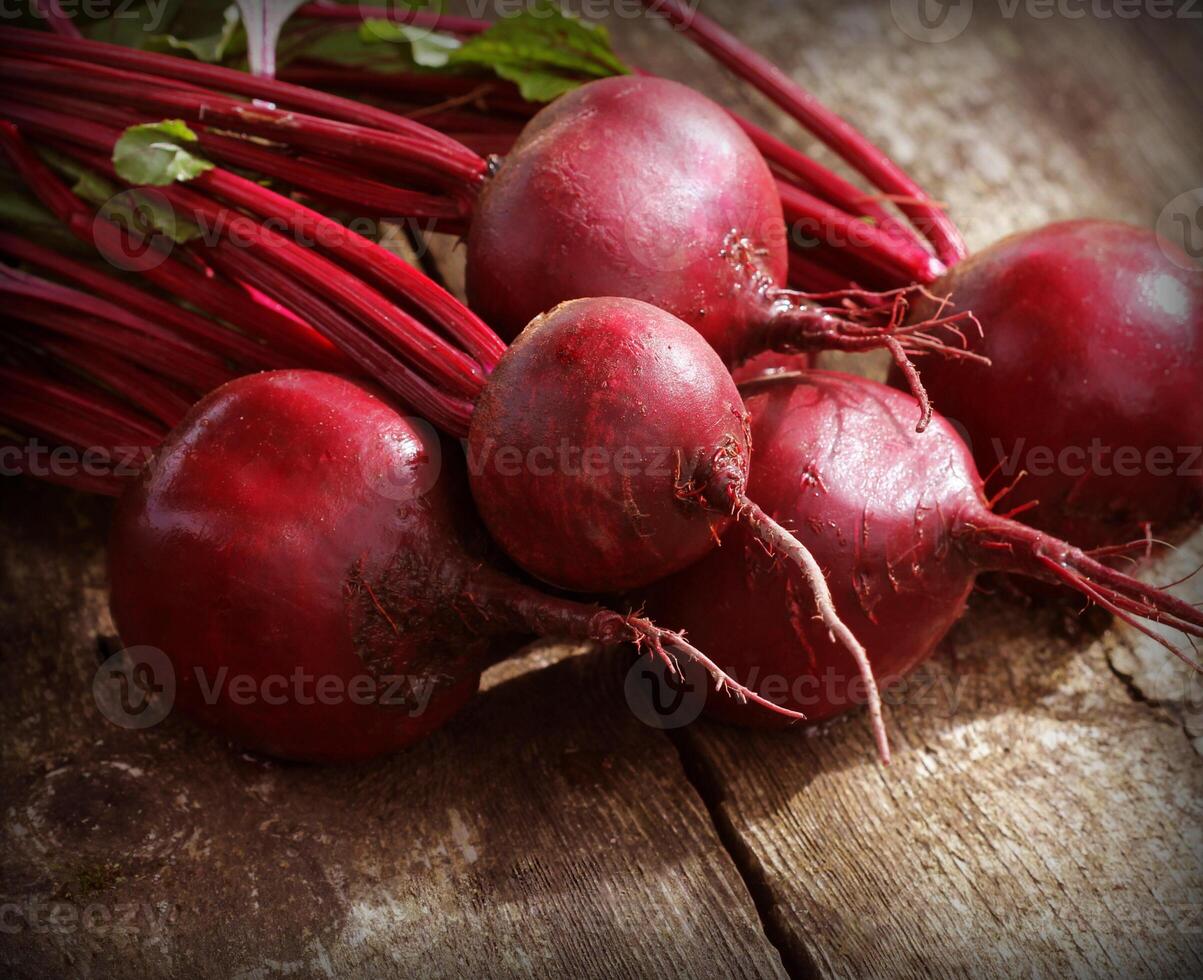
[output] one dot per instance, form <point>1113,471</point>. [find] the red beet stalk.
<point>310,272</point>
<point>842,138</point>
<point>145,391</point>
<point>392,152</point>
<point>177,70</point>
<point>229,302</point>
<point>71,415</point>
<point>243,351</point>
<point>96,321</point>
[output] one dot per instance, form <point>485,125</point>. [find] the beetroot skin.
<point>899,522</point>
<point>1096,340</point>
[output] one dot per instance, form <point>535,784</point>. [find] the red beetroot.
<point>591,426</point>
<point>1096,343</point>
<point>901,526</point>
<point>660,205</point>
<point>296,530</point>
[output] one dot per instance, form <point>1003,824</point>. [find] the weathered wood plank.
<point>1040,820</point>
<point>1164,681</point>
<point>1037,821</point>
<point>546,833</point>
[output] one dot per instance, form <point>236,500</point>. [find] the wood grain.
<point>1037,820</point>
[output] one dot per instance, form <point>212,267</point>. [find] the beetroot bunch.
<point>287,376</point>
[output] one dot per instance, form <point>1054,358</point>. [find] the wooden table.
<point>1044,816</point>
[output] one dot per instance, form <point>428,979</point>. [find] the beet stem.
<point>72,414</point>
<point>229,302</point>
<point>96,321</point>
<point>176,70</point>
<point>871,246</point>
<point>245,352</point>
<point>417,345</point>
<point>398,153</point>
<point>810,175</point>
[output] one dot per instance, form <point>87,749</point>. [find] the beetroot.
<point>657,186</point>
<point>1096,341</point>
<point>309,561</point>
<point>899,523</point>
<point>641,187</point>
<point>594,421</point>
